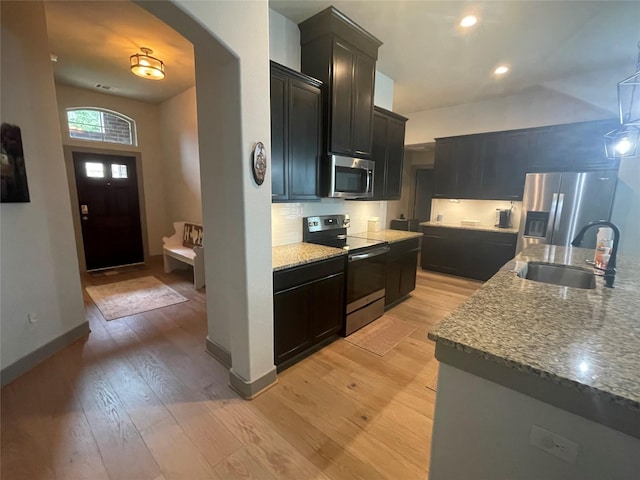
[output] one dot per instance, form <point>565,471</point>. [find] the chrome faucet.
<point>610,271</point>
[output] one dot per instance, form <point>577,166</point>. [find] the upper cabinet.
<point>341,54</point>
<point>296,140</point>
<point>387,152</point>
<point>570,147</point>
<point>493,165</point>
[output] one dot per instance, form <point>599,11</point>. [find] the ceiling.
<point>569,46</point>
<point>435,63</point>
<point>94,40</point>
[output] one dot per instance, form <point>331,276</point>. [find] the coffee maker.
<point>503,218</point>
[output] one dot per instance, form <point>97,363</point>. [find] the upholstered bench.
<point>185,248</point>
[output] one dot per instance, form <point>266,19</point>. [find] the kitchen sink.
<point>556,274</point>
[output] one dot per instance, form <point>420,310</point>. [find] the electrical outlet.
<point>32,318</point>
<point>554,444</point>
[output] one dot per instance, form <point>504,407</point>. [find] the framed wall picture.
<point>14,173</point>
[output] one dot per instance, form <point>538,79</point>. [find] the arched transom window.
<point>101,125</point>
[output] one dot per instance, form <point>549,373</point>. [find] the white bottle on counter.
<point>604,242</point>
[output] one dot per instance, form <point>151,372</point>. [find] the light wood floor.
<point>140,399</point>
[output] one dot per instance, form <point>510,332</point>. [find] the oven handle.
<point>371,253</point>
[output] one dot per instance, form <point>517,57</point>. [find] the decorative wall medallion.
<point>259,162</point>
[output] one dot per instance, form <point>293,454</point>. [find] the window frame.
<point>104,111</point>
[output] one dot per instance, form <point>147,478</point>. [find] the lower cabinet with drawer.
<point>402,263</point>
<point>308,304</point>
<point>473,254</point>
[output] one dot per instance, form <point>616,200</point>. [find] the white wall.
<point>284,41</point>
<point>481,430</point>
<point>232,83</point>
<point>39,270</point>
<point>383,94</point>
<point>626,206</point>
<point>150,146</point>
<point>181,157</point>
<point>533,108</point>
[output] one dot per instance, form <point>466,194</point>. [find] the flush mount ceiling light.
<point>146,66</point>
<point>624,141</point>
<point>501,70</point>
<point>468,21</point>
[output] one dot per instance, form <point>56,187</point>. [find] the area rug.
<point>121,299</point>
<point>382,335</point>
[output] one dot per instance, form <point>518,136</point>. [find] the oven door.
<point>366,277</point>
<point>351,177</point>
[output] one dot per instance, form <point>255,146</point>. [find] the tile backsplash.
<point>286,218</point>
<point>482,211</point>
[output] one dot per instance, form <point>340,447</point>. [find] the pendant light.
<point>146,66</point>
<point>624,141</point>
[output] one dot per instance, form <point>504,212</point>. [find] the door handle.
<point>84,219</point>
<point>556,223</point>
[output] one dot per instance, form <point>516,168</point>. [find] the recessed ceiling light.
<point>468,21</point>
<point>501,70</point>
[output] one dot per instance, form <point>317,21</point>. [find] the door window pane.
<point>118,171</point>
<point>94,170</point>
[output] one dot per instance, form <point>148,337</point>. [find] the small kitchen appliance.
<point>366,272</point>
<point>503,217</point>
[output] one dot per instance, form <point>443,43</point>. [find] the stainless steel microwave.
<point>349,178</point>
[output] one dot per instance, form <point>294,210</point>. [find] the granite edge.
<point>306,261</point>
<point>372,235</point>
<point>518,366</point>
<point>480,228</point>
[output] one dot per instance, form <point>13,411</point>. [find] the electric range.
<point>366,272</point>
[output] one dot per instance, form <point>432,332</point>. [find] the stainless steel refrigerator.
<point>556,205</point>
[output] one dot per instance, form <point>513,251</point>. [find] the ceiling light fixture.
<point>146,66</point>
<point>468,21</point>
<point>501,70</point>
<point>624,141</point>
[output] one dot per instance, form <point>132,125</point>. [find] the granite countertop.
<point>486,228</point>
<point>587,340</point>
<point>390,236</point>
<point>286,256</point>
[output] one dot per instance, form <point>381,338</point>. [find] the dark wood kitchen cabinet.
<point>343,55</point>
<point>296,135</point>
<point>504,157</point>
<point>402,264</point>
<point>473,254</point>
<point>387,152</point>
<point>570,147</point>
<point>458,167</point>
<point>493,166</point>
<point>308,309</point>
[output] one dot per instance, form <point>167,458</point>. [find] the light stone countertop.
<point>485,228</point>
<point>390,236</point>
<point>287,256</point>
<point>587,340</point>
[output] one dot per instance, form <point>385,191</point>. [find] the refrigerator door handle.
<point>551,225</point>
<point>558,219</point>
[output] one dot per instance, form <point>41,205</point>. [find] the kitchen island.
<point>526,363</point>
